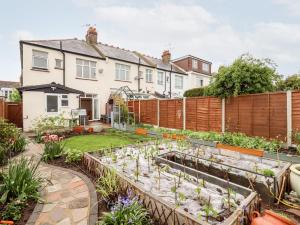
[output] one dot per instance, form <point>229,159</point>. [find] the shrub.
<point>20,181</point>
<point>52,124</point>
<point>12,210</point>
<point>195,92</point>
<point>126,211</point>
<point>19,144</point>
<point>53,150</point>
<point>73,155</point>
<point>108,185</point>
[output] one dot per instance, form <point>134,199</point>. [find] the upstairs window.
<point>149,77</point>
<point>178,82</point>
<point>58,64</point>
<point>39,59</point>
<point>194,64</point>
<point>122,72</point>
<point>205,67</point>
<point>160,78</point>
<point>85,69</point>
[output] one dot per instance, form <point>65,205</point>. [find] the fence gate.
<point>14,113</point>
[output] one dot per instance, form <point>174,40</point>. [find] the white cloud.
<point>292,5</point>
<point>191,29</point>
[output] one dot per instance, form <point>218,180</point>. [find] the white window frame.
<point>177,79</point>
<point>160,74</point>
<point>122,70</point>
<point>86,64</point>
<point>194,64</point>
<point>61,64</point>
<point>46,103</point>
<point>205,67</point>
<point>41,57</point>
<point>149,76</point>
<point>62,98</point>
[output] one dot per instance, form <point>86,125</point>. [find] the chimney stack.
<point>91,36</point>
<point>166,56</point>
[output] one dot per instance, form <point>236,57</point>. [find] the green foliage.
<point>15,96</point>
<point>267,172</point>
<point>73,155</point>
<point>12,210</point>
<point>247,75</point>
<point>195,92</point>
<point>19,144</point>
<point>20,181</point>
<point>128,213</point>
<point>108,185</point>
<point>52,125</point>
<point>290,83</point>
<point>53,150</point>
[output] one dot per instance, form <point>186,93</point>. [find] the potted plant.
<point>295,178</point>
<point>270,218</point>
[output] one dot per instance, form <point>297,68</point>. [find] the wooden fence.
<point>12,112</point>
<point>269,115</point>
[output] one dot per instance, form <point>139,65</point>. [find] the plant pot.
<point>141,131</point>
<point>165,135</point>
<point>270,218</point>
<point>295,178</point>
<point>248,151</point>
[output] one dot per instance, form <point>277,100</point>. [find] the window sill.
<point>39,69</point>
<point>149,82</point>
<point>127,81</point>
<point>81,78</point>
<point>58,68</point>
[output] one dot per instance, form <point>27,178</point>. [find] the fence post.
<point>184,113</point>
<point>223,115</point>
<point>289,117</point>
<point>158,112</point>
<point>139,111</point>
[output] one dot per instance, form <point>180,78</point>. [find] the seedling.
<point>198,191</point>
<point>209,210</point>
<point>124,166</point>
<point>166,169</point>
<point>268,172</point>
<point>137,168</point>
<point>158,171</point>
<point>174,190</point>
<point>181,197</point>
<point>114,158</point>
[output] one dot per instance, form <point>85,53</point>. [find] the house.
<point>61,75</point>
<point>7,87</point>
<point>199,70</point>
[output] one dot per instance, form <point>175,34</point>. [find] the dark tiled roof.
<point>9,84</point>
<point>50,88</point>
<point>69,45</point>
<point>103,50</point>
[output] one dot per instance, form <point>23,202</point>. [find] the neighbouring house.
<point>61,75</point>
<point>7,87</point>
<point>199,70</point>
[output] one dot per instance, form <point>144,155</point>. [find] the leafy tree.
<point>290,83</point>
<point>246,75</point>
<point>15,96</point>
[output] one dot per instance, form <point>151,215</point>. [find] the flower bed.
<point>171,194</point>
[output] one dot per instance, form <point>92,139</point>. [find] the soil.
<point>289,151</point>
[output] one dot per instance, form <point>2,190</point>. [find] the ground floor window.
<point>178,82</point>
<point>52,103</point>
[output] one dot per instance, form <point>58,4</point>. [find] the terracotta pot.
<point>295,178</point>
<point>165,135</point>
<point>270,218</point>
<point>141,131</point>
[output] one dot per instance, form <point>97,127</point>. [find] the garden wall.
<point>269,115</point>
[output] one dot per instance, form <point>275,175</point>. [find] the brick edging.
<point>93,210</point>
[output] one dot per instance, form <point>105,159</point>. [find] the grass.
<point>95,142</point>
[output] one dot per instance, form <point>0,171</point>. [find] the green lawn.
<point>95,142</point>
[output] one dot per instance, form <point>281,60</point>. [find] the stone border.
<point>93,210</point>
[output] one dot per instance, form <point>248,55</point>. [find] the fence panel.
<point>296,111</point>
<point>215,114</point>
<point>2,108</point>
<point>191,114</point>
<point>171,113</point>
<point>149,111</point>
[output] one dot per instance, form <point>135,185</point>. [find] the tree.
<point>15,96</point>
<point>290,83</point>
<point>246,75</point>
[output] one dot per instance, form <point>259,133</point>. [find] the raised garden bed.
<point>154,184</point>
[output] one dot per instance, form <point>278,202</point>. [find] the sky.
<point>215,30</point>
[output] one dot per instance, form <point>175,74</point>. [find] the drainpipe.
<point>165,84</point>
<point>139,79</point>
<point>171,82</point>
<point>64,64</point>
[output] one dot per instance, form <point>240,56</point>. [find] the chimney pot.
<point>166,56</point>
<point>91,36</point>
